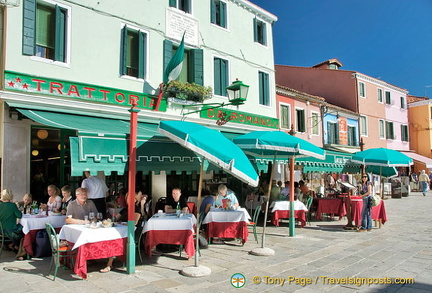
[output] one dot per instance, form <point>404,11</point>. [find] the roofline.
<point>257,10</point>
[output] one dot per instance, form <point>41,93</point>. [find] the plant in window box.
<point>188,91</point>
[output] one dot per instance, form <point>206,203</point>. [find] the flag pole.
<point>159,98</point>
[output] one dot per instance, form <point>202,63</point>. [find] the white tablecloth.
<point>80,234</point>
<point>37,222</point>
<point>221,215</point>
<point>285,206</point>
<point>170,222</point>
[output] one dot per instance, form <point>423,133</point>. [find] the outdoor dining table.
<point>94,243</point>
<point>223,223</point>
<point>281,210</point>
<point>169,229</point>
<point>378,212</point>
<point>333,206</point>
<point>33,223</point>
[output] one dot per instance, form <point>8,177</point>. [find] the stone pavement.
<point>322,253</point>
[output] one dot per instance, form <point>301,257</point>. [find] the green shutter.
<point>172,3</point>
<point>141,54</point>
<point>224,77</point>
<point>123,60</point>
<point>264,33</point>
<point>60,32</point>
<point>222,14</point>
<point>198,66</point>
<point>266,90</point>
<point>329,133</point>
<point>213,11</point>
<point>187,6</point>
<point>255,30</point>
<point>29,30</point>
<point>167,53</point>
<point>217,76</point>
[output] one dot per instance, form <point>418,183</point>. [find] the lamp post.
<point>130,259</point>
<point>237,94</point>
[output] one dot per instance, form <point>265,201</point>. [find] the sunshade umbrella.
<point>382,157</point>
<point>273,143</point>
<point>212,146</point>
<point>382,171</point>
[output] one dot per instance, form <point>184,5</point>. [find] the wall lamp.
<point>237,94</point>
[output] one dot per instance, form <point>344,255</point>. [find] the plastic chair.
<point>308,206</point>
<point>57,251</point>
<point>255,221</point>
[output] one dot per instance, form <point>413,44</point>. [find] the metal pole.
<point>198,213</point>
<point>292,218</point>
<point>130,259</point>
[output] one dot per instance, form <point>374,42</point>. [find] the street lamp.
<point>237,94</point>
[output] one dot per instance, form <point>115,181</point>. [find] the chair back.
<point>309,202</point>
<point>53,238</point>
<point>256,214</point>
<point>160,204</point>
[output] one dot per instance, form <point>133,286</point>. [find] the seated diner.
<point>80,207</point>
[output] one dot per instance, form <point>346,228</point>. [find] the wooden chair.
<point>58,252</point>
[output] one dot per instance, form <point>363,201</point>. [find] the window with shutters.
<point>192,68</point>
<point>363,126</point>
<point>388,98</point>
<point>381,126</point>
<point>380,95</point>
<point>134,47</point>
<point>45,28</point>
<point>264,88</point>
<point>362,89</point>
<point>404,133</point>
<point>285,116</point>
<point>183,5</point>
<point>300,120</point>
<point>218,13</point>
<point>260,31</point>
<point>220,76</point>
<point>389,130</point>
<point>352,136</point>
<point>332,133</point>
<point>315,123</point>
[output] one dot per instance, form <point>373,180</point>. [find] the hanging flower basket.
<point>188,91</point>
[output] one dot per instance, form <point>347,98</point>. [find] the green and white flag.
<point>174,67</point>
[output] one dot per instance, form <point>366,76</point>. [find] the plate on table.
<point>56,214</point>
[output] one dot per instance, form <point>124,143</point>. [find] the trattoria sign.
<point>239,117</point>
<point>75,90</point>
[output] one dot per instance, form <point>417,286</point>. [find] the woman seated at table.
<point>123,217</point>
<point>54,203</point>
<point>25,204</point>
<point>225,196</point>
<point>175,199</point>
<point>9,214</point>
<point>67,198</point>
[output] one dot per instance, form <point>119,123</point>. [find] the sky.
<point>386,39</point>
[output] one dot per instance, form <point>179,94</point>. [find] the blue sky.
<point>386,39</point>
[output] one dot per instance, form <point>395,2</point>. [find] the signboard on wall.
<point>343,131</point>
<point>178,23</point>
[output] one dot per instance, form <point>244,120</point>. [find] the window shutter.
<point>60,31</point>
<point>213,11</point>
<point>301,121</point>
<point>198,67</point>
<point>224,77</point>
<point>284,116</point>
<point>222,13</point>
<point>255,29</point>
<point>266,89</point>
<point>217,75</point>
<point>329,133</point>
<point>29,30</point>
<point>173,3</point>
<point>264,33</point>
<point>123,60</point>
<point>187,6</point>
<point>167,54</point>
<point>142,39</point>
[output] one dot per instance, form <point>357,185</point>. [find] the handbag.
<point>42,246</point>
<point>376,199</point>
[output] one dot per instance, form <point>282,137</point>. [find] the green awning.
<point>334,162</point>
<point>88,125</point>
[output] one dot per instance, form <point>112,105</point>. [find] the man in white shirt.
<point>96,191</point>
<point>286,190</point>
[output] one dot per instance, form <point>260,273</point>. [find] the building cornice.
<point>379,82</point>
<point>420,103</point>
<point>258,11</point>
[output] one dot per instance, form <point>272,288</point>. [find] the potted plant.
<point>188,91</point>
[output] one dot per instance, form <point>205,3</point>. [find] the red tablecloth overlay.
<point>30,239</point>
<point>299,215</point>
<point>177,237</point>
<point>228,230</point>
<point>98,250</point>
<point>192,208</point>
<point>333,206</point>
<point>378,212</point>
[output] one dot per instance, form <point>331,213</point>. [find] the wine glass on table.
<point>91,216</point>
<point>99,216</point>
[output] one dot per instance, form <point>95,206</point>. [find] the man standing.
<point>96,190</point>
<point>79,208</point>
